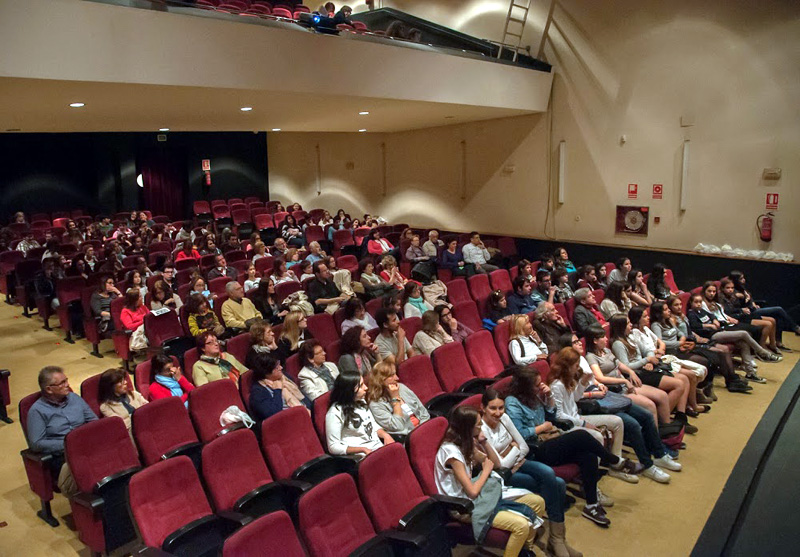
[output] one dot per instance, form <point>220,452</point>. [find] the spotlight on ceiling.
<point>77,105</point>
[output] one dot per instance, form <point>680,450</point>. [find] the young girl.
<point>525,270</point>
<point>349,426</point>
<point>201,318</point>
<point>295,332</point>
<point>640,294</point>
<point>252,281</point>
<point>782,318</point>
<point>602,275</point>
<point>525,345</point>
<point>267,304</point>
<point>464,448</point>
<point>511,449</point>
<point>135,280</point>
<point>735,308</point>
<point>163,296</point>
<point>624,267</point>
<point>657,285</point>
<point>560,279</point>
<point>644,364</point>
<point>306,270</point>
<point>199,287</point>
<point>280,273</point>
<point>498,310</point>
<point>292,232</point>
<point>616,301</point>
<point>458,331</point>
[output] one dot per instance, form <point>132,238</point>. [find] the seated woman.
<point>132,318</point>
<point>431,336</point>
<point>259,250</point>
<point>458,331</point>
<point>267,304</point>
<point>567,384</point>
<point>782,319</point>
<point>560,279</point>
<point>587,277</point>
<point>115,396</point>
<point>393,405</point>
<point>619,378</point>
<point>657,285</point>
<point>199,287</point>
<point>272,391</point>
<point>252,278</point>
<point>358,353</point>
<point>511,449</point>
<point>355,314</point>
<point>374,285</point>
<point>293,260</point>
<point>281,273</point>
<point>294,333</point>
<point>453,260</point>
<point>188,252</point>
<point>377,245</point>
<point>529,405</point>
<point>640,429</point>
<point>208,246</point>
<point>166,380</point>
<point>414,305</point>
<point>164,297</point>
<point>201,318</point>
<point>391,274</point>
<point>421,261</point>
<point>525,345</point>
<point>640,294</point>
<point>214,364</point>
<point>292,232</point>
<point>317,376</point>
<point>262,341</point>
<point>705,324</point>
<point>616,301</point>
<point>602,275</point>
<point>562,260</point>
<point>630,348</point>
<point>498,310</point>
<point>623,268</point>
<point>101,303</point>
<point>734,307</point>
<point>78,267</point>
<point>350,427</point>
<point>674,328</point>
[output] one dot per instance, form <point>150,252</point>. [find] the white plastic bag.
<point>234,414</point>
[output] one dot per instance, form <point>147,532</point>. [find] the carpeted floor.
<point>647,519</point>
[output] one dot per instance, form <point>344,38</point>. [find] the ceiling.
<point>34,105</point>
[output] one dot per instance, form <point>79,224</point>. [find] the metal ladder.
<point>512,39</point>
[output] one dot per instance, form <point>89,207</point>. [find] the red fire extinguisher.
<point>764,225</point>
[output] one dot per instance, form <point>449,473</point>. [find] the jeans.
<point>642,435</point>
<point>540,478</point>
<point>783,322</point>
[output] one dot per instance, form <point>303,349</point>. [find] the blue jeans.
<point>540,478</point>
<point>641,434</point>
<point>783,322</point>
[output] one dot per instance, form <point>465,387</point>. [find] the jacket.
<point>236,314</point>
<point>525,418</point>
<point>311,384</point>
<point>583,318</point>
<point>205,372</point>
<point>157,390</point>
<point>114,408</point>
<point>394,424</point>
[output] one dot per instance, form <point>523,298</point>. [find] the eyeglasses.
<point>212,341</point>
<point>60,383</point>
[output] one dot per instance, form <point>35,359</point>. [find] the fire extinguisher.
<point>764,226</point>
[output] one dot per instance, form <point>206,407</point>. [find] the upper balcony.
<point>192,69</point>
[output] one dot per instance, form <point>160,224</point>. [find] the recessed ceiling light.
<point>363,113</point>
<point>77,105</point>
<point>362,130</point>
<point>276,129</point>
<point>163,129</point>
<point>246,108</point>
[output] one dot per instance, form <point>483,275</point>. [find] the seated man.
<point>57,412</point>
<point>221,269</point>
<point>550,325</point>
<point>586,312</point>
<point>391,340</point>
<point>214,364</point>
<point>238,312</point>
<point>279,248</point>
<point>476,253</point>
<point>521,301</point>
<point>432,246</point>
<point>323,293</point>
<point>544,290</point>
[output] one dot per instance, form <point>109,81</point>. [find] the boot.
<point>708,390</point>
<point>702,398</point>
<point>558,546</point>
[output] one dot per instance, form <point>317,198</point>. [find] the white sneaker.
<point>624,476</point>
<point>656,474</point>
<point>667,462</point>
<point>603,499</point>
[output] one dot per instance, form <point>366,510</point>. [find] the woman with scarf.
<point>414,305</point>
<point>115,396</point>
<point>317,376</point>
<point>272,391</point>
<point>214,364</point>
<point>166,380</point>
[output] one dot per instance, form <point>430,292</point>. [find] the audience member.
<point>294,333</point>
<point>214,364</point>
<point>117,397</point>
<point>521,300</point>
<point>349,425</point>
<point>266,302</point>
<point>101,303</point>
<point>391,340</point>
<point>550,326</point>
<point>586,313</point>
<point>431,336</point>
<point>132,318</point>
<point>640,294</point>
<point>458,331</point>
<point>374,285</point>
<point>272,391</point>
<point>475,252</point>
<point>221,269</point>
<point>358,352</point>
<point>414,305</point>
<point>452,259</point>
<point>262,341</point>
<point>355,314</point>
<point>323,292</point>
<point>525,345</point>
<point>394,406</point>
<point>238,312</point>
<point>616,301</point>
<point>544,291</point>
<point>561,258</point>
<point>201,318</point>
<point>433,245</point>
<point>391,274</point>
<point>623,268</point>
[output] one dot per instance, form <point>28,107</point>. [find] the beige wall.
<point>628,67</point>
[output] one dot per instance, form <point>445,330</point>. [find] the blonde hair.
<point>388,262</point>
<point>381,371</point>
<point>291,328</point>
<point>518,326</point>
<point>430,321</point>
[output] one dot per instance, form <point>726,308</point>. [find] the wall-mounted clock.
<point>632,220</point>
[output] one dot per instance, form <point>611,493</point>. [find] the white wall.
<point>632,67</point>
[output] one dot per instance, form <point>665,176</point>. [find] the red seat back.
<point>160,427</point>
<point>457,291</point>
<point>342,238</point>
<point>411,325</point>
<point>165,497</point>
<point>288,440</point>
<point>569,307</point>
<point>423,444</point>
<point>417,374</point>
<point>373,306</point>
<point>263,221</point>
<point>502,336</point>
<point>206,404</point>
<point>278,218</point>
<point>467,314</point>
<point>161,328</point>
<point>451,366</point>
<point>284,289</point>
<point>232,467</point>
<point>482,355</point>
<point>543,368</point>
<point>90,391</point>
<point>332,519</point>
<point>318,413</point>
<point>474,401</point>
<point>599,295</point>
<point>480,291</point>
<point>314,234</point>
<point>501,280</point>
<point>276,527</point>
<point>239,346</point>
<point>97,450</point>
<point>323,328</point>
